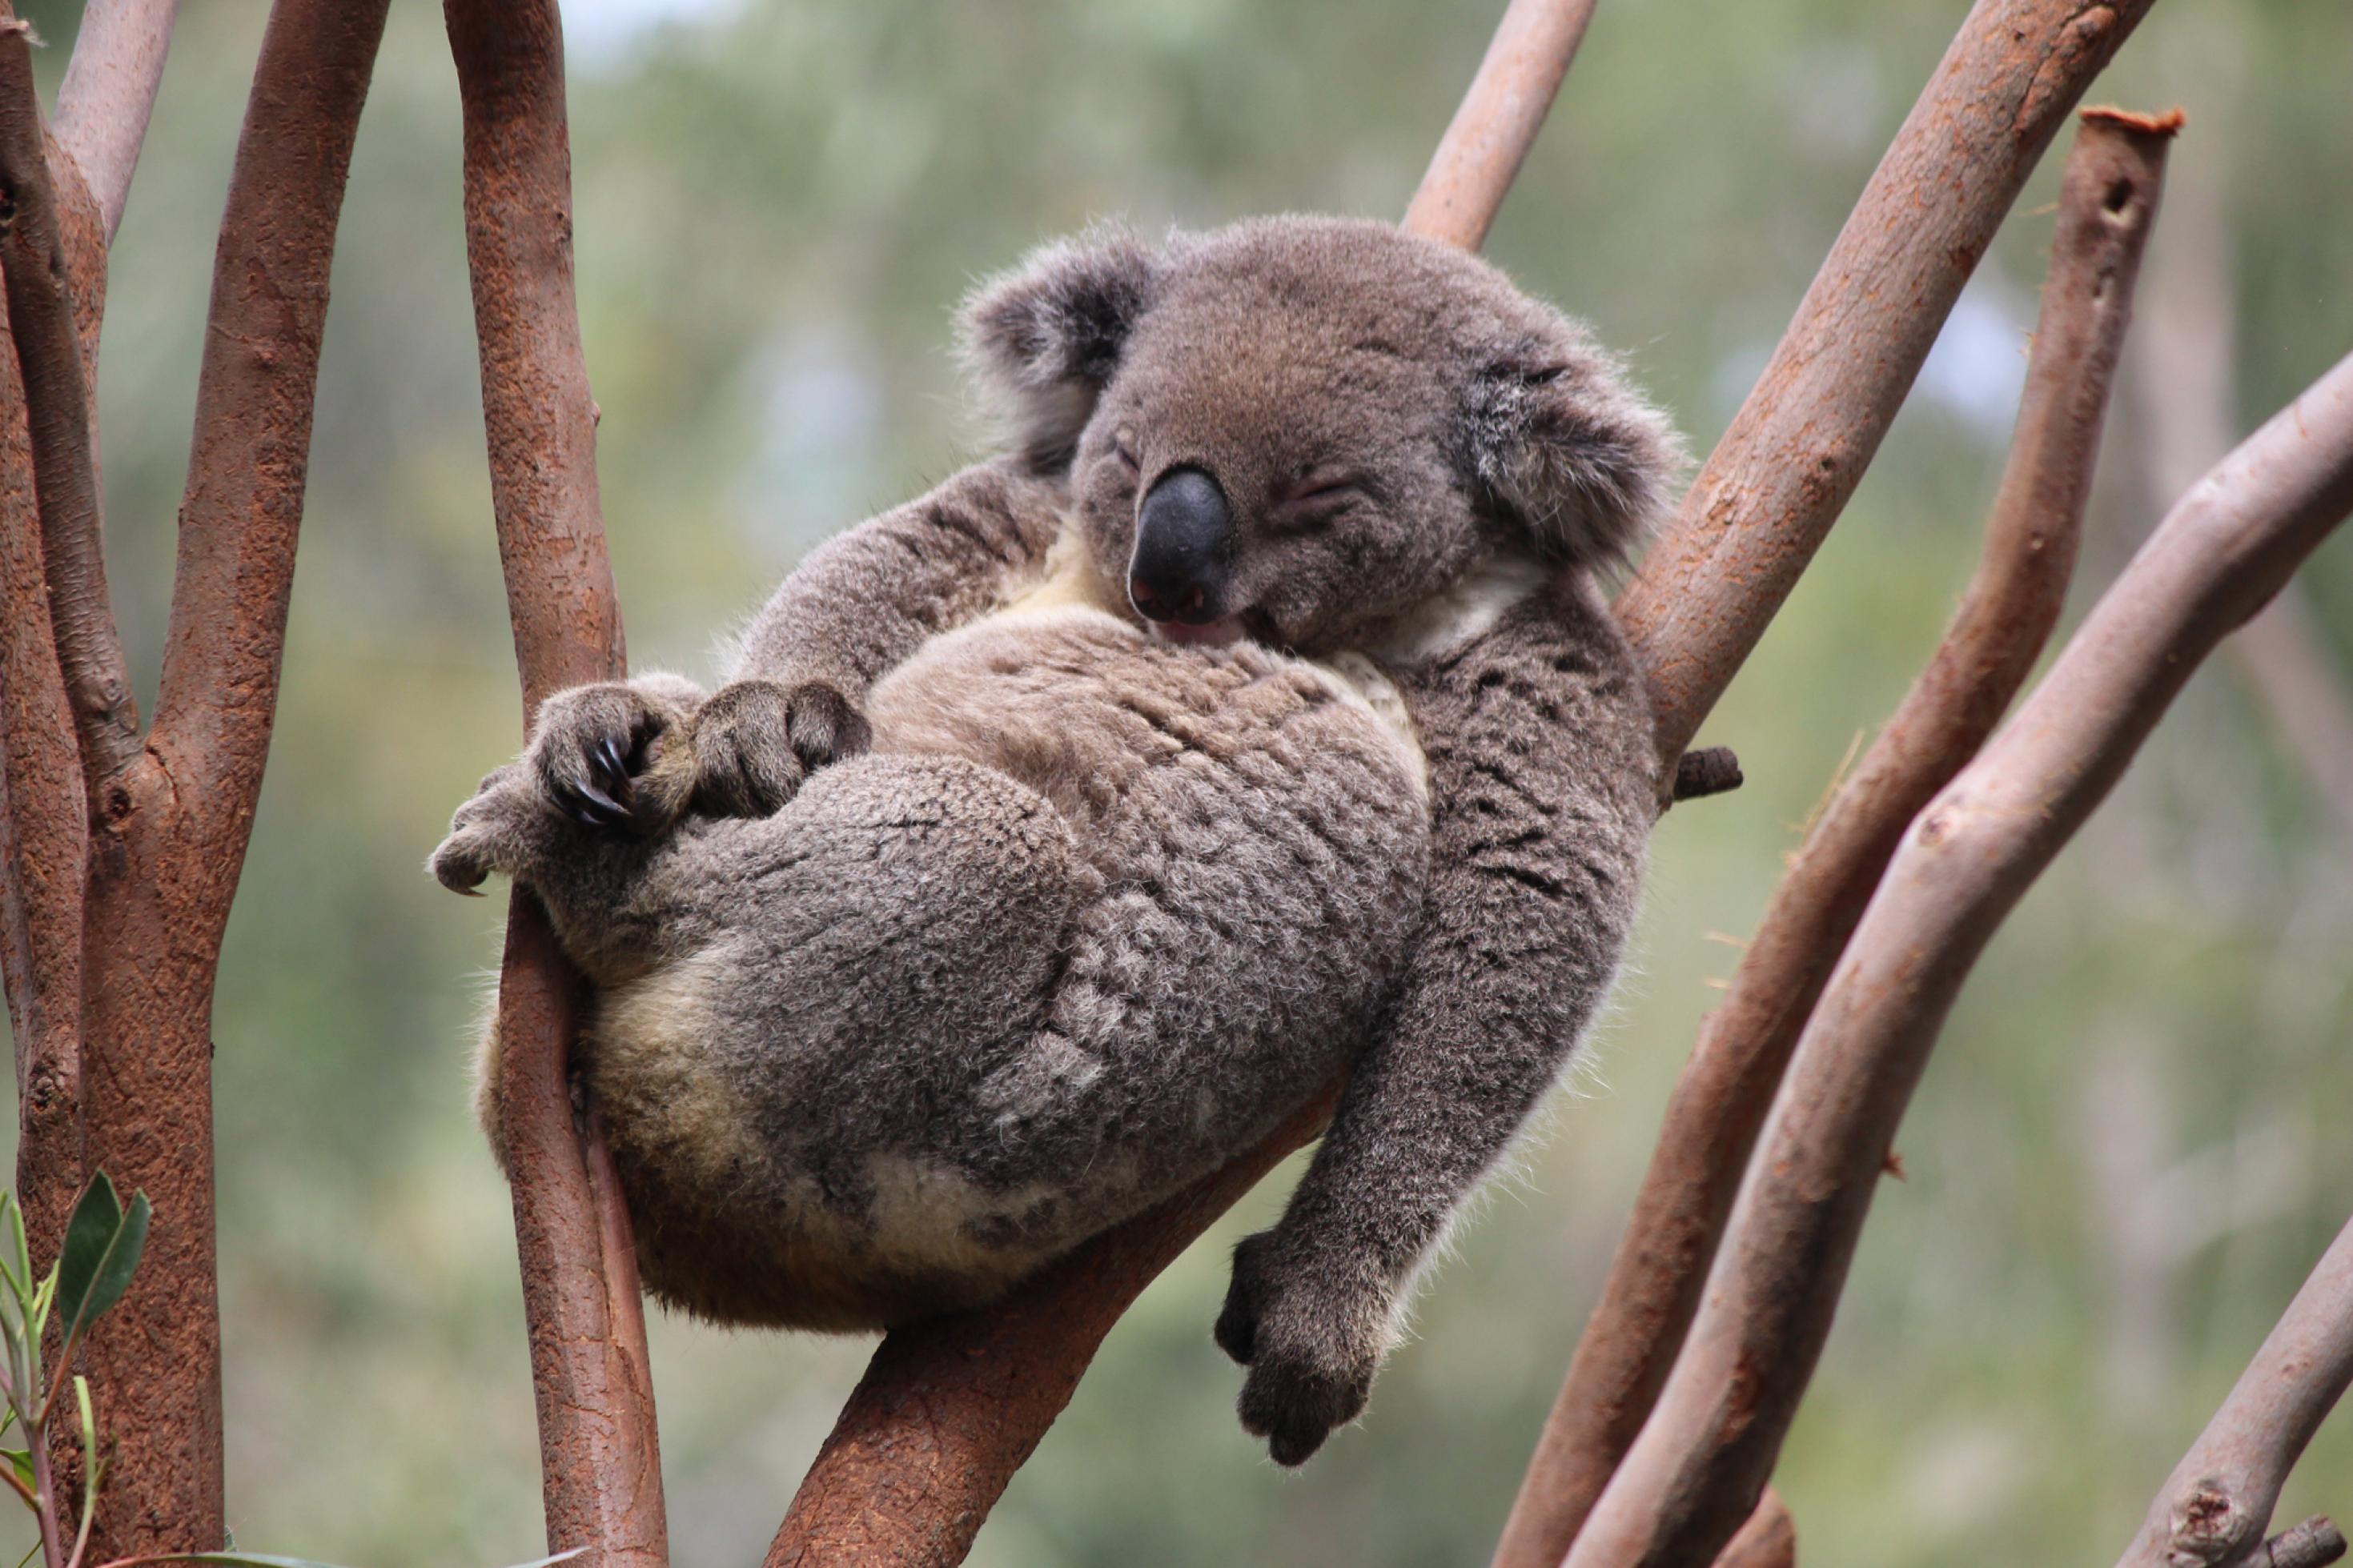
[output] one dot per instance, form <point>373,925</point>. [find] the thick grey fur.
<point>971,918</point>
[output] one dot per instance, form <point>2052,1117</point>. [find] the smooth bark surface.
<point>1703,1459</point>
<point>2107,203</point>
<point>1775,484</point>
<point>2218,1502</point>
<point>109,92</point>
<point>1491,134</point>
<point>600,1458</point>
<point>171,828</point>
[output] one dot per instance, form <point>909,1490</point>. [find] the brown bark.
<point>2227,547</point>
<point>2106,204</point>
<point>2218,1502</point>
<point>1491,134</point>
<point>65,478</point>
<point>44,816</point>
<point>172,826</point>
<point>109,92</point>
<point>1779,479</point>
<point>1769,1539</point>
<point>599,1455</point>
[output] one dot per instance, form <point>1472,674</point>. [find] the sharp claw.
<point>589,816</point>
<point>613,765</point>
<point>596,800</point>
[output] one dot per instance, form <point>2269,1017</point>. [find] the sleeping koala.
<point>1255,719</point>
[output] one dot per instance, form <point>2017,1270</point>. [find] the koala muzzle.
<point>1184,547</point>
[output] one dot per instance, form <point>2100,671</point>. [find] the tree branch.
<point>48,357</point>
<point>2107,203</point>
<point>2217,1503</point>
<point>172,823</point>
<point>1704,1455</point>
<point>1783,472</point>
<point>599,1451</point>
<point>1491,134</point>
<point>1769,1539</point>
<point>109,92</point>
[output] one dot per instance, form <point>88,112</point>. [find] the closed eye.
<point>1317,500</point>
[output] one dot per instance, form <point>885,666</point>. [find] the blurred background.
<point>2131,1145</point>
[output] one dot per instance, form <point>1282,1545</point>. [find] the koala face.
<point>1299,429</point>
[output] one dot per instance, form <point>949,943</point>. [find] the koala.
<point>1253,719</point>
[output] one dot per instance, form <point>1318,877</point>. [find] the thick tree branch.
<point>599,1455</point>
<point>48,357</point>
<point>2107,203</point>
<point>1491,134</point>
<point>44,816</point>
<point>1783,472</point>
<point>1703,1457</point>
<point>2218,1502</point>
<point>109,93</point>
<point>171,826</point>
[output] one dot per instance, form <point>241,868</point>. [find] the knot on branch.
<point>1711,769</point>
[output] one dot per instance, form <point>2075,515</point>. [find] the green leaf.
<point>21,1462</point>
<point>93,1473</point>
<point>101,1251</point>
<point>18,1263</point>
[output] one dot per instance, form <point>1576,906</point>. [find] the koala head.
<point>1301,427</point>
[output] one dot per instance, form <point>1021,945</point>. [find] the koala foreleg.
<point>1541,765</point>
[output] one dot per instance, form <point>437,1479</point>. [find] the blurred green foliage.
<point>2119,1168</point>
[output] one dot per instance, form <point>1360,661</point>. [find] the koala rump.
<point>1254,718</point>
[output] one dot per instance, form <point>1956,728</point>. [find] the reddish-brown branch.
<point>2218,1502</point>
<point>48,358</point>
<point>171,830</point>
<point>2106,206</point>
<point>1705,1454</point>
<point>44,816</point>
<point>109,92</point>
<point>599,1454</point>
<point>1769,1539</point>
<point>1491,134</point>
<point>1800,444</point>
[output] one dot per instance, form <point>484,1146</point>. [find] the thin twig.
<point>173,823</point>
<point>109,93</point>
<point>2107,203</point>
<point>1705,1454</point>
<point>48,357</point>
<point>600,1461</point>
<point>1779,479</point>
<point>2312,1545</point>
<point>2218,1502</point>
<point>1491,134</point>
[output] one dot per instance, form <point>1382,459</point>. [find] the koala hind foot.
<point>755,740</point>
<point>1312,1338</point>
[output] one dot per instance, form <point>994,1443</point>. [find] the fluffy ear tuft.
<point>1044,339</point>
<point>1562,442</point>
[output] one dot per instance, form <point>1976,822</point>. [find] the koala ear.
<point>1044,339</point>
<point>1563,444</point>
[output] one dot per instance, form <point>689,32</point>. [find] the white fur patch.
<point>1468,609</point>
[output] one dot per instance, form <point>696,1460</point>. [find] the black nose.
<point>1183,543</point>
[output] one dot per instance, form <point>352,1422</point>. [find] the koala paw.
<point>597,752</point>
<point>1312,1343</point>
<point>755,740</point>
<point>482,833</point>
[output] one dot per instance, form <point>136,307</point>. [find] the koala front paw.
<point>755,740</point>
<point>598,752</point>
<point>1312,1342</point>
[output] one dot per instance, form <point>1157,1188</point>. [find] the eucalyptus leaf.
<point>101,1251</point>
<point>21,1462</point>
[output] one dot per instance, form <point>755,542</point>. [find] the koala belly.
<point>1093,915</point>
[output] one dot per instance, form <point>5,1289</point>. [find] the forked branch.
<point>2218,1502</point>
<point>1779,479</point>
<point>600,1460</point>
<point>1703,1459</point>
<point>2107,203</point>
